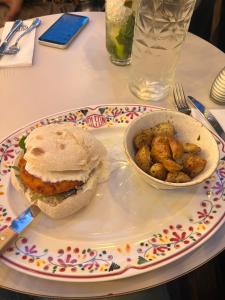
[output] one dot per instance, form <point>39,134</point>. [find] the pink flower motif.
<point>90,265</point>
<point>178,238</point>
<point>8,154</point>
<point>67,261</point>
<point>115,112</point>
<point>132,114</point>
<point>159,249</point>
<point>202,214</point>
<point>31,250</point>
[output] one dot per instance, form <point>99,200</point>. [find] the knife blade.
<point>18,225</point>
<point>16,25</point>
<point>208,116</point>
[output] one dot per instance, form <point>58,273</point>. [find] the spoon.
<point>15,47</point>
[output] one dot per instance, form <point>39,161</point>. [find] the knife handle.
<point>6,236</point>
<point>14,28</point>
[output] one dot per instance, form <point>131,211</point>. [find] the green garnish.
<point>22,144</point>
<point>125,36</point>
<point>54,199</point>
<point>15,168</point>
<point>115,48</point>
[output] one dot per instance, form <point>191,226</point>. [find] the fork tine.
<point>176,96</point>
<point>180,99</point>
<point>183,96</point>
<point>180,94</point>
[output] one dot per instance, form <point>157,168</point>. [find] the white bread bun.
<point>61,147</point>
<point>60,209</point>
<point>59,152</point>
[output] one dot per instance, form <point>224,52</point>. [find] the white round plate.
<point>128,228</point>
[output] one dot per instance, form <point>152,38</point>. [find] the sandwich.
<point>58,168</point>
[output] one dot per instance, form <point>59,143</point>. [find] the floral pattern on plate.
<point>74,262</point>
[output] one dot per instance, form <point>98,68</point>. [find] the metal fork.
<point>180,99</point>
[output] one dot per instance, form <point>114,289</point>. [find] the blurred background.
<point>208,21</point>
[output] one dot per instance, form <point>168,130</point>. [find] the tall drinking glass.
<point>160,30</point>
<point>120,19</point>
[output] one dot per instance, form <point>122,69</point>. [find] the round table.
<point>79,76</point>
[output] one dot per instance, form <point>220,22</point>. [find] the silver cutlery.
<point>17,24</point>
<point>17,226</point>
<point>180,99</point>
<point>209,116</point>
<point>15,47</point>
<point>182,106</point>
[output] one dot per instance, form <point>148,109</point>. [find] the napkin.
<point>25,56</point>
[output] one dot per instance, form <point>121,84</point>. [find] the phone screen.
<point>64,29</point>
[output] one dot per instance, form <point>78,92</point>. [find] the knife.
<point>18,225</point>
<point>209,116</point>
<point>13,30</point>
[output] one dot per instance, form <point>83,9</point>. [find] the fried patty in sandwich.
<point>42,187</point>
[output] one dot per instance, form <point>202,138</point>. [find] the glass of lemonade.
<point>120,20</point>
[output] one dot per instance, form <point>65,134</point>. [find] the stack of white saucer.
<point>218,88</point>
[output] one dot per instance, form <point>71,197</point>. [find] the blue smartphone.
<point>62,32</point>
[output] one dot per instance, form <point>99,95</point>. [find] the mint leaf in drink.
<point>114,48</point>
<point>127,31</point>
<point>22,144</point>
<point>125,36</point>
<point>110,46</point>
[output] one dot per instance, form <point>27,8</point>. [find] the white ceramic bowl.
<point>188,130</point>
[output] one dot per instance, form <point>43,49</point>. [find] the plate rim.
<point>120,274</point>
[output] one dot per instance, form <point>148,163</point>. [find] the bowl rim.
<point>191,183</point>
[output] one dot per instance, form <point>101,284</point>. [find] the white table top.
<point>79,76</point>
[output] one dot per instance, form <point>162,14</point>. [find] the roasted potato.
<point>158,171</point>
<point>143,138</point>
<point>171,166</point>
<point>160,154</point>
<point>193,164</point>
<point>176,148</point>
<point>164,128</point>
<point>143,158</point>
<point>160,149</point>
<point>177,177</point>
<point>191,148</point>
